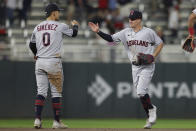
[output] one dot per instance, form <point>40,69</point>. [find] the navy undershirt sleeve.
<point>105,36</point>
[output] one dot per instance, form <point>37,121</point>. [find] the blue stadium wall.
<point>100,90</point>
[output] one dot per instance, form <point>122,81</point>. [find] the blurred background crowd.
<point>18,18</point>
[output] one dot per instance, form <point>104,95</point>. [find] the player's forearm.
<point>105,36</point>
<point>191,19</point>
<point>33,48</point>
<point>75,30</point>
<point>158,50</point>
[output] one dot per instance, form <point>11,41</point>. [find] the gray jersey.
<point>194,11</point>
<point>48,36</point>
<point>143,41</point>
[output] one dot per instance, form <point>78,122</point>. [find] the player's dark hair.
<point>48,14</point>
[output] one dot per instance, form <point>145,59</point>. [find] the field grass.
<point>102,123</point>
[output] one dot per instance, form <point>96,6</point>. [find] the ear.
<point>53,13</point>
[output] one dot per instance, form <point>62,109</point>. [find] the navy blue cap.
<point>135,14</point>
<point>52,7</point>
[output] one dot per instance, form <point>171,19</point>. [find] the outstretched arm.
<point>95,28</point>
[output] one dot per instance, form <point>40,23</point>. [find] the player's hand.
<point>35,57</point>
<point>94,27</point>
<point>74,22</point>
<point>190,36</point>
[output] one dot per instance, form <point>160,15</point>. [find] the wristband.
<point>191,31</point>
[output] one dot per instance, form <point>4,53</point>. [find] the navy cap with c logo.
<point>135,14</point>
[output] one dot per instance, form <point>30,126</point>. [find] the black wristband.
<point>75,30</point>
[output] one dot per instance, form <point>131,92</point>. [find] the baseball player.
<point>46,43</point>
<point>142,45</point>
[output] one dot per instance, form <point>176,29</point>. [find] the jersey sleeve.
<point>119,37</point>
<point>66,30</point>
<point>194,11</point>
<point>155,38</point>
<point>33,37</point>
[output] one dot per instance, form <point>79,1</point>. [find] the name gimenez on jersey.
<point>137,42</point>
<point>47,27</point>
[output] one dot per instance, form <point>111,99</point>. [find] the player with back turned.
<point>142,45</point>
<point>46,44</point>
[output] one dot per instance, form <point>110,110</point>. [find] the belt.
<point>48,57</point>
